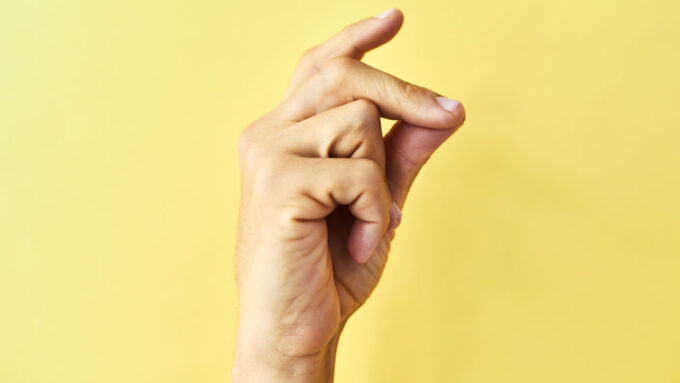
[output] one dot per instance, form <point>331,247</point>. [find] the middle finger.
<point>351,130</point>
<point>344,79</point>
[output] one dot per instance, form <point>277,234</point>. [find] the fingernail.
<point>395,216</point>
<point>385,14</point>
<point>448,103</point>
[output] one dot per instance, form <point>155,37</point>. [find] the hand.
<point>320,199</point>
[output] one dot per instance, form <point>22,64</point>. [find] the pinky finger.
<point>358,183</point>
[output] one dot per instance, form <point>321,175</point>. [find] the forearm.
<point>253,363</point>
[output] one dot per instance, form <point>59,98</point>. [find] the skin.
<point>321,190</point>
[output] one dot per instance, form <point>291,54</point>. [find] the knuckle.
<point>365,134</point>
<point>267,168</point>
<point>336,68</point>
<point>367,110</point>
<point>340,62</point>
<point>308,56</point>
<point>366,120</point>
<point>410,90</point>
<point>252,153</point>
<point>410,162</point>
<point>368,169</point>
<point>266,173</point>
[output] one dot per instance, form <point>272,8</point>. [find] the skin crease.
<point>318,181</point>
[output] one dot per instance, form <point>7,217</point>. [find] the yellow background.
<point>541,244</point>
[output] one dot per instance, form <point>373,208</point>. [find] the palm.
<point>354,282</point>
<point>326,302</point>
<point>333,301</point>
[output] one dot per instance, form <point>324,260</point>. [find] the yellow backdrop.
<point>542,244</point>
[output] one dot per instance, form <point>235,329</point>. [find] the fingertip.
<point>362,240</point>
<point>365,35</point>
<point>395,216</point>
<point>460,114</point>
<point>396,19</point>
<point>454,110</point>
<point>385,25</point>
<point>392,13</point>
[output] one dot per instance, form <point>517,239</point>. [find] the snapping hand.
<point>321,193</point>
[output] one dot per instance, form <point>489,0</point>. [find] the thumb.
<point>407,149</point>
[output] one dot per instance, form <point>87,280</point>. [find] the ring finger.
<point>348,131</point>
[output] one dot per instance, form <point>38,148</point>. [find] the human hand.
<point>321,191</point>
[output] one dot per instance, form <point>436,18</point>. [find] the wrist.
<point>257,361</point>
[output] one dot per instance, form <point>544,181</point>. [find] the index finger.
<point>344,80</point>
<point>352,41</point>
